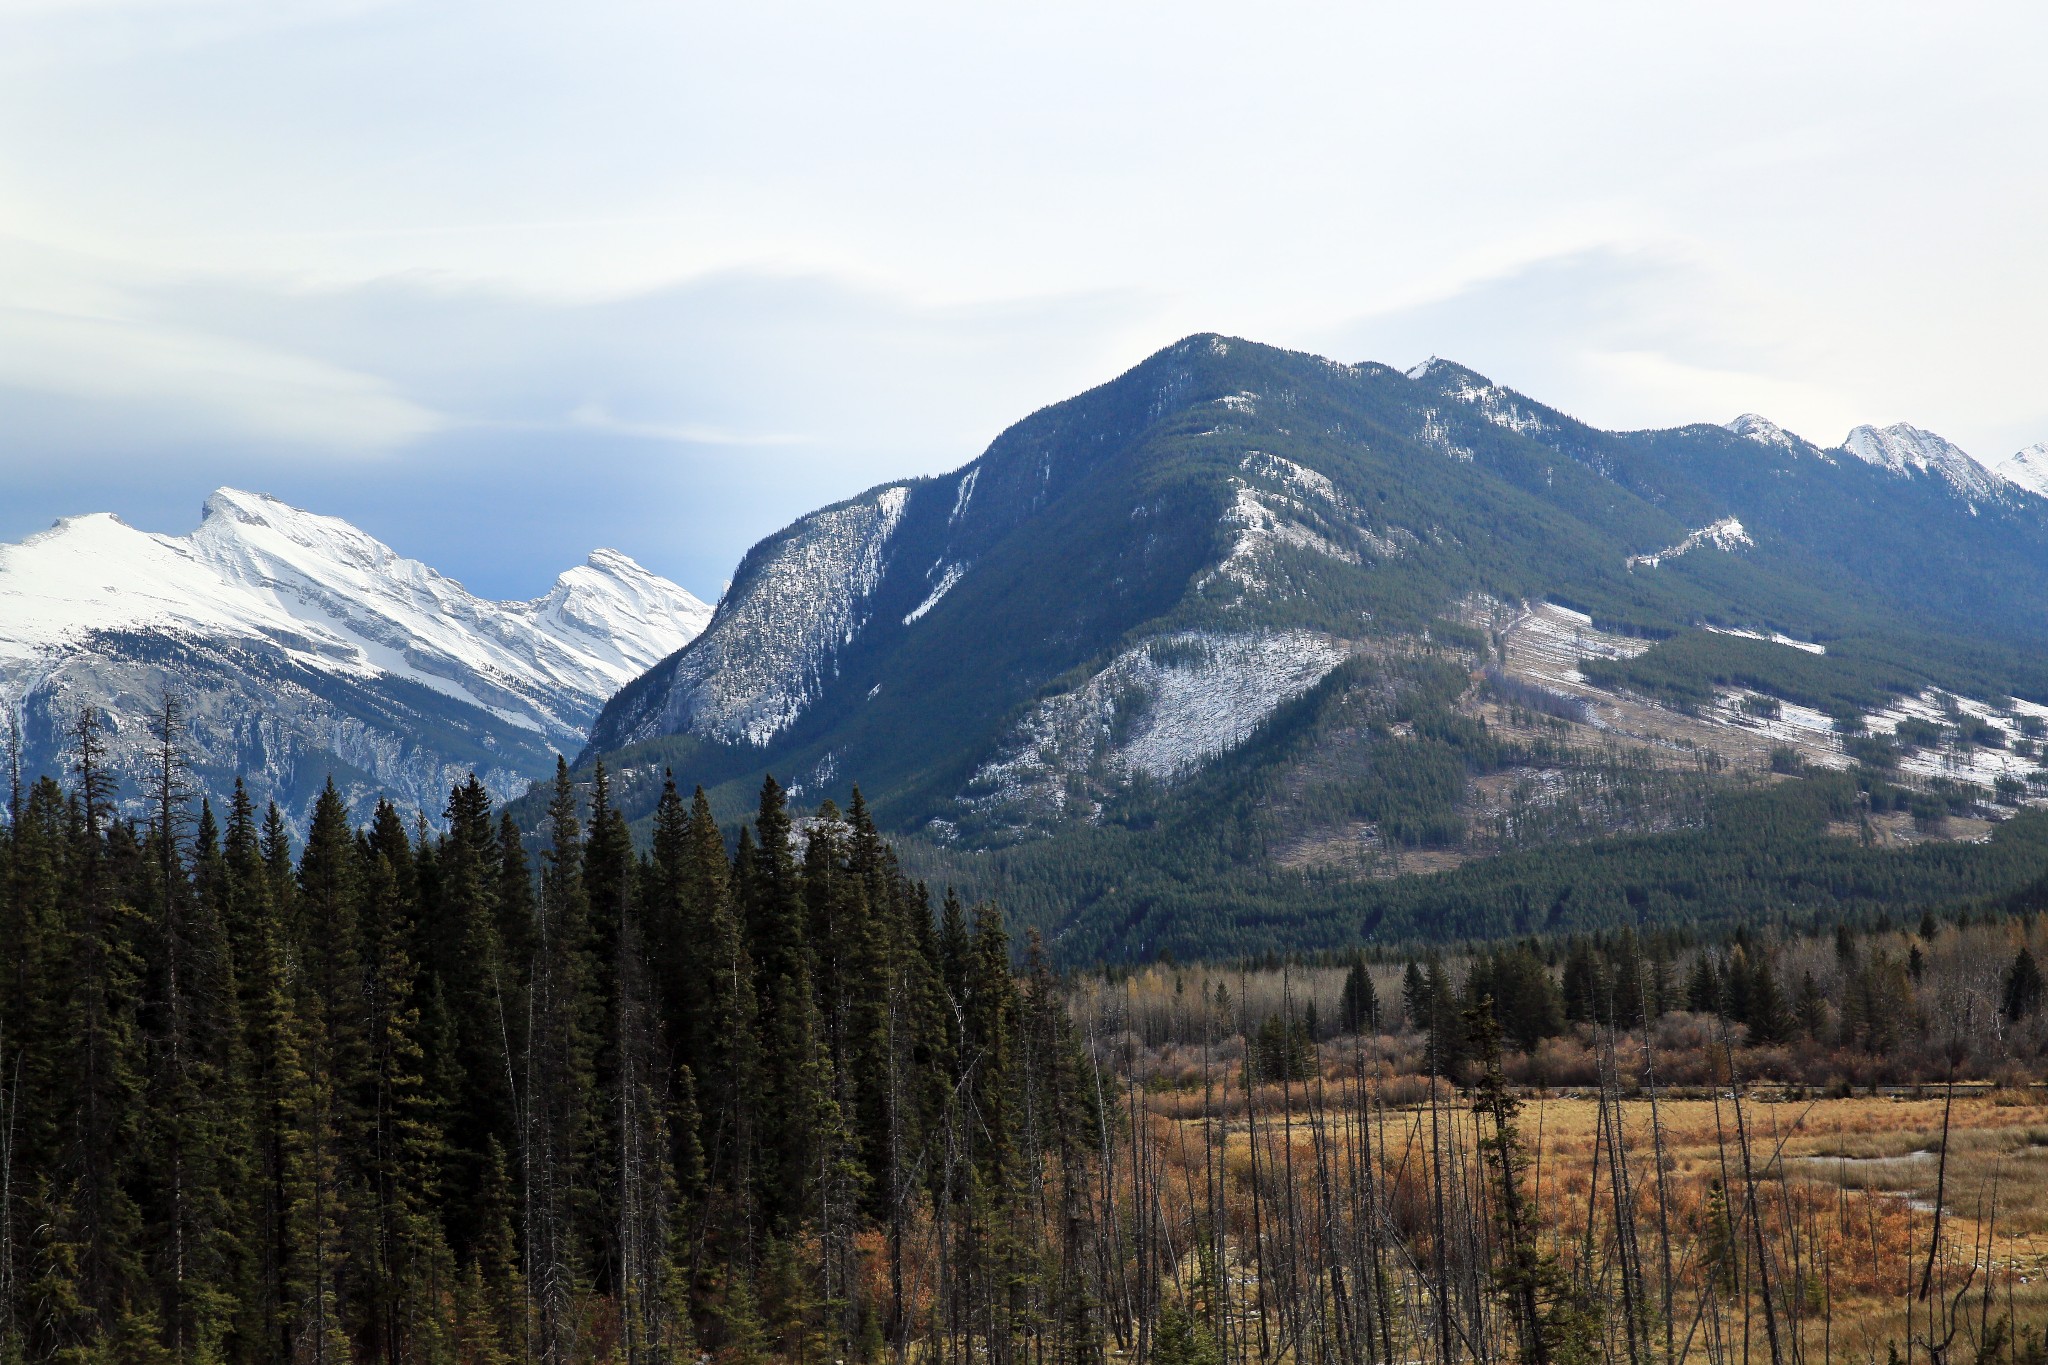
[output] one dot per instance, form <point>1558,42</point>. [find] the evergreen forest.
<point>400,1095</point>
<point>480,1094</point>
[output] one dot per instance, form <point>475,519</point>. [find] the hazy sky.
<point>502,281</point>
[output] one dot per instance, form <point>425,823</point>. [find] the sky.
<point>504,281</point>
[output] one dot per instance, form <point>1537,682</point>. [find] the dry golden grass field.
<point>1822,1240</point>
<point>1861,1175</point>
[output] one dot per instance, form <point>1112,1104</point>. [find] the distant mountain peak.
<point>2027,469</point>
<point>1906,449</point>
<point>1751,426</point>
<point>305,645</point>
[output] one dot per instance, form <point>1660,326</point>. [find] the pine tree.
<point>99,1087</point>
<point>562,1124</point>
<point>790,1071</point>
<point>2023,986</point>
<point>724,1056</point>
<point>1583,989</point>
<point>473,1000</point>
<point>1358,1008</point>
<point>323,1095</point>
<point>1768,1019</point>
<point>1810,1006</point>
<point>1703,986</point>
<point>1437,1014</point>
<point>1180,1340</point>
<point>491,1316</point>
<point>406,1254</point>
<point>196,1146</point>
<point>1414,995</point>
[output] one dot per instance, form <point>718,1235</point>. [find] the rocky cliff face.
<point>800,599</point>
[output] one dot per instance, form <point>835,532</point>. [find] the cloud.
<point>508,431</point>
<point>88,331</point>
<point>136,376</point>
<point>664,275</point>
<point>1620,335</point>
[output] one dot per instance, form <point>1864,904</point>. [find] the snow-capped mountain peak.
<point>1753,426</point>
<point>2027,469</point>
<point>611,605</point>
<point>1907,449</point>
<point>305,642</point>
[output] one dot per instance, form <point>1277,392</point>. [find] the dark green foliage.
<point>385,1099</point>
<point>1523,999</point>
<point>1762,854</point>
<point>1282,1050</point>
<point>1180,1340</point>
<point>2023,987</point>
<point>1358,1007</point>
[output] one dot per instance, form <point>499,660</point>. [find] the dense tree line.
<point>413,1095</point>
<point>1202,885</point>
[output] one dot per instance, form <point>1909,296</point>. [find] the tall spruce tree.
<point>562,1120</point>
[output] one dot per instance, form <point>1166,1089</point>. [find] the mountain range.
<point>1224,524</point>
<point>1217,653</point>
<point>301,648</point>
<point>1341,584</point>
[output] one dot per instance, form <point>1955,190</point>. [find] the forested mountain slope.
<point>1419,612</point>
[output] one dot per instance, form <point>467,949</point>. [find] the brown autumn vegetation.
<point>1864,1178</point>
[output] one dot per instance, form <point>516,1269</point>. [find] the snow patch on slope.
<point>1500,407</point>
<point>1159,710</point>
<point>965,495</point>
<point>1281,504</point>
<point>1725,534</point>
<point>1262,527</point>
<point>1297,479</point>
<point>1770,637</point>
<point>1437,436</point>
<point>953,574</point>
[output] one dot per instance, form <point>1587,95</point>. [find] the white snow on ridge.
<point>1906,449</point>
<point>1725,534</point>
<point>2026,469</point>
<point>621,617</point>
<point>1752,426</point>
<point>336,599</point>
